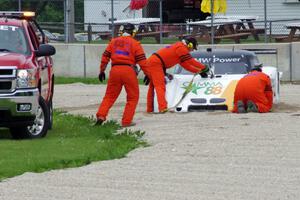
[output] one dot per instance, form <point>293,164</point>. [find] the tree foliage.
<point>47,11</point>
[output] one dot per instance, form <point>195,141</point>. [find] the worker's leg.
<point>239,105</point>
<point>132,89</point>
<point>261,102</point>
<point>150,97</point>
<point>263,108</point>
<point>158,80</point>
<point>113,90</point>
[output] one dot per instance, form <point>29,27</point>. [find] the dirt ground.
<point>199,155</point>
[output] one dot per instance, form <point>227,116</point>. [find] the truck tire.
<point>40,126</point>
<point>50,105</point>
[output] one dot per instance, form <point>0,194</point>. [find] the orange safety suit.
<point>124,52</point>
<point>255,86</point>
<point>163,59</point>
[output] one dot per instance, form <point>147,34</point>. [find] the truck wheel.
<point>50,104</point>
<point>40,126</point>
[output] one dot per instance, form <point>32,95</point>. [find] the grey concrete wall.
<point>69,60</point>
<point>82,60</point>
<point>295,61</point>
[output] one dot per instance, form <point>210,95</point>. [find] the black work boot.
<point>99,122</point>
<point>251,107</point>
<point>241,107</point>
<point>163,111</point>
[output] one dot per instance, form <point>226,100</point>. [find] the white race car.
<point>215,92</point>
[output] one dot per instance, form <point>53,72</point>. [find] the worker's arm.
<point>193,66</point>
<point>188,62</point>
<point>140,57</point>
<point>268,90</point>
<point>106,57</point>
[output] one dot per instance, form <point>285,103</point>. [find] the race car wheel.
<point>40,126</point>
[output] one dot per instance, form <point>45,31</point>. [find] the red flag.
<point>138,4</point>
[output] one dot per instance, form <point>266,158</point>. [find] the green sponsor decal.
<point>209,87</point>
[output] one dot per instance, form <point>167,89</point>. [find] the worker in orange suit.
<point>124,52</point>
<point>253,93</point>
<point>163,59</point>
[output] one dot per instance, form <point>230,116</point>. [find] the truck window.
<point>12,39</point>
<point>33,37</point>
<point>37,32</point>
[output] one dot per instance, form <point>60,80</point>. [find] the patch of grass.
<point>87,80</point>
<point>72,142</point>
<point>69,80</point>
<point>145,40</point>
<point>173,39</point>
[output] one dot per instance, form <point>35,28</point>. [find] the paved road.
<point>208,155</point>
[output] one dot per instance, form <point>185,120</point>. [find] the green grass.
<point>73,142</point>
<point>170,40</point>
<point>87,80</point>
<point>69,80</point>
<point>145,40</point>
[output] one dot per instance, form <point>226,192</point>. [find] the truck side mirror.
<point>45,50</point>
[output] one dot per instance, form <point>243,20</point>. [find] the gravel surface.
<point>204,155</point>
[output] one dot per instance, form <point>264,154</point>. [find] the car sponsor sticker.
<point>210,88</point>
<point>220,60</point>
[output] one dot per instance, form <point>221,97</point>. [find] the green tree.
<point>47,11</point>
<point>8,5</point>
<point>51,13</point>
<point>79,13</point>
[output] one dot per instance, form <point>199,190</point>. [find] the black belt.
<point>134,67</point>
<point>121,64</point>
<point>162,62</point>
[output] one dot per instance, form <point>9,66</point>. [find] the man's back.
<point>123,50</point>
<point>171,53</point>
<point>254,82</point>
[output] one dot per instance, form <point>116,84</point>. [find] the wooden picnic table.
<point>105,35</point>
<point>223,28</point>
<point>147,27</point>
<point>136,21</point>
<point>292,35</point>
<point>246,24</point>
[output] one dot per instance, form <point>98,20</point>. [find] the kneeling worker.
<point>253,93</point>
<point>124,53</point>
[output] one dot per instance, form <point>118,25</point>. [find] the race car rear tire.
<point>40,126</point>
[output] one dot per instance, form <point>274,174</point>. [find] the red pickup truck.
<point>26,76</point>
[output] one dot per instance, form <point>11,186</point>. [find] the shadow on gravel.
<point>277,108</point>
